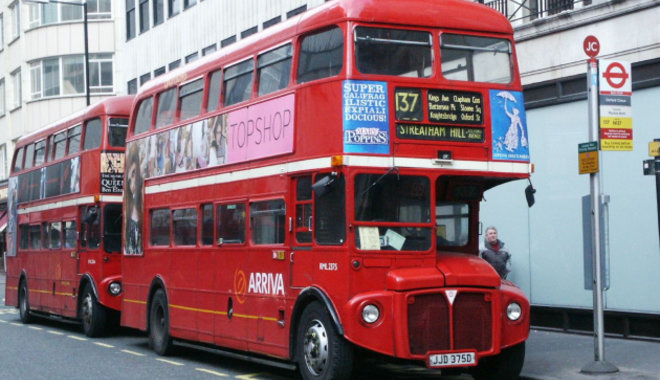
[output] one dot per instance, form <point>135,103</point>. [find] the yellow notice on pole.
<point>588,157</point>
<point>654,148</point>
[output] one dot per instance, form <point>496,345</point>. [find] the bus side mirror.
<point>320,187</point>
<point>529,194</point>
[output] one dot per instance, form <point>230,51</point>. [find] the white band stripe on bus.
<point>325,163</point>
<point>69,202</point>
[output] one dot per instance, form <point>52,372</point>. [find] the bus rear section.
<point>64,245</point>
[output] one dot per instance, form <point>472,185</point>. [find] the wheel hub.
<point>316,348</point>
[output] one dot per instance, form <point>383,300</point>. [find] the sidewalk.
<point>560,356</point>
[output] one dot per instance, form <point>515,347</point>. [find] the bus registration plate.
<point>454,359</point>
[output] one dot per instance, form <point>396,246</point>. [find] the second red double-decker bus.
<point>64,229</point>
<point>315,188</point>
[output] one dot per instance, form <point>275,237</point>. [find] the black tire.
<point>159,325</point>
<point>92,313</point>
<point>505,366</point>
<point>321,353</point>
<point>24,303</point>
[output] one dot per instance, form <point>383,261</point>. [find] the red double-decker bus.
<point>315,189</point>
<point>64,229</point>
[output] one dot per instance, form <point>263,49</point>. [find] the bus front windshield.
<point>392,212</point>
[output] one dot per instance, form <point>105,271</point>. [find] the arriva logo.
<point>266,283</point>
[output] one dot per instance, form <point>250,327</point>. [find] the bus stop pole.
<point>599,365</point>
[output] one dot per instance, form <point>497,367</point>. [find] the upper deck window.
<point>93,133</point>
<point>74,139</point>
<point>191,95</point>
<point>39,152</point>
<point>404,53</point>
<point>59,145</point>
<point>238,82</point>
<point>476,59</point>
<point>213,101</point>
<point>117,131</point>
<point>321,55</point>
<point>166,108</point>
<point>143,120</point>
<point>274,69</point>
<point>29,156</point>
<point>18,162</point>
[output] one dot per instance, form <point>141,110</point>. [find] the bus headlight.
<point>514,311</point>
<point>370,313</point>
<point>114,288</point>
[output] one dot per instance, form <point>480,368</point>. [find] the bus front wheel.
<point>507,365</point>
<point>23,303</point>
<point>159,325</point>
<point>92,313</point>
<point>321,353</point>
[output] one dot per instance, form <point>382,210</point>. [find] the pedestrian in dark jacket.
<point>493,251</point>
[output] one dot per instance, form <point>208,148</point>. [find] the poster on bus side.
<point>366,117</point>
<point>509,121</point>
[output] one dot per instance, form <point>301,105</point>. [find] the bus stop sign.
<point>591,46</point>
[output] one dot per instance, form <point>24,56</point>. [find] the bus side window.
<point>29,156</point>
<point>18,160</point>
<point>93,134</point>
<point>213,101</point>
<point>321,55</point>
<point>117,129</point>
<point>190,98</point>
<point>238,82</point>
<point>166,108</point>
<point>55,235</point>
<point>34,232</point>
<point>184,224</point>
<point>39,152</point>
<point>59,145</point>
<point>207,224</point>
<point>73,138</point>
<point>24,231</point>
<point>230,225</point>
<point>160,227</point>
<point>330,210</point>
<point>144,115</point>
<point>267,221</point>
<point>70,237</point>
<point>90,230</point>
<point>274,69</point>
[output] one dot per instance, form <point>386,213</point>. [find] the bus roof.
<point>116,105</point>
<point>448,14</point>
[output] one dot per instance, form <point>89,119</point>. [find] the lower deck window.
<point>268,222</point>
<point>160,227</point>
<point>185,226</point>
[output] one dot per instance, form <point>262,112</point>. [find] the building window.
<point>272,21</point>
<point>46,14</point>
<point>100,73</point>
<point>3,161</point>
<point>2,97</point>
<point>58,76</point>
<point>249,32</point>
<point>174,7</point>
<point>2,32</point>
<point>159,71</point>
<point>144,78</point>
<point>188,3</point>
<point>296,11</point>
<point>144,15</point>
<point>15,14</point>
<point>191,57</point>
<point>173,65</point>
<point>132,86</point>
<point>228,41</point>
<point>17,100</point>
<point>209,49</point>
<point>159,11</point>
<point>99,9</point>
<point>130,19</point>
<point>71,12</point>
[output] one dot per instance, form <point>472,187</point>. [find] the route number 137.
<point>407,104</point>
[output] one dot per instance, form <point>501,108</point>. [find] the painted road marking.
<point>16,324</point>
<point>132,352</point>
<point>104,345</point>
<point>168,361</point>
<point>54,332</point>
<point>35,328</point>
<point>220,374</point>
<point>76,337</point>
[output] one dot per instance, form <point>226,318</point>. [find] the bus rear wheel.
<point>321,353</point>
<point>24,303</point>
<point>159,325</point>
<point>505,366</point>
<point>92,313</point>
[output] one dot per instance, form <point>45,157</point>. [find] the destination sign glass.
<point>439,133</point>
<point>456,107</point>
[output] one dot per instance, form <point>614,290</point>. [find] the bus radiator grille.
<point>429,323</point>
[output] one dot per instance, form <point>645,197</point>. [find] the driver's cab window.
<point>452,221</point>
